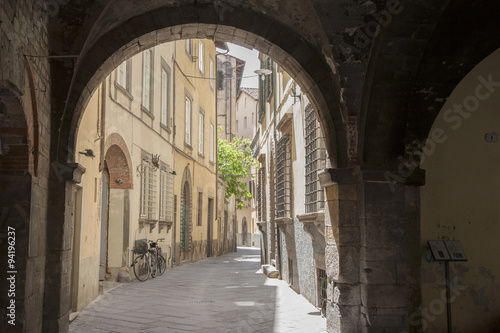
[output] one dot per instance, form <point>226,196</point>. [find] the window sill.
<point>124,91</point>
<point>165,127</point>
<point>147,112</point>
<point>315,220</point>
<point>164,224</point>
<point>152,223</point>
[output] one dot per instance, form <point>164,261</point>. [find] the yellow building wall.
<point>141,131</point>
<point>190,81</point>
<point>460,201</point>
<point>88,263</point>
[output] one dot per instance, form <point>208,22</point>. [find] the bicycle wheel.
<point>141,268</point>
<point>154,269</point>
<point>162,264</point>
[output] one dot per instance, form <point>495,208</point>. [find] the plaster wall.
<point>462,177</point>
<point>90,222</point>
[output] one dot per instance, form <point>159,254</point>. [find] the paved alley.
<point>223,294</point>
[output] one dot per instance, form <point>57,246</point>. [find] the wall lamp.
<point>88,153</point>
<point>155,161</point>
<point>295,95</point>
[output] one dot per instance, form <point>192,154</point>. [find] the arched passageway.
<point>376,92</point>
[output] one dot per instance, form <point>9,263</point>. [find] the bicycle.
<point>161,262</point>
<point>150,262</point>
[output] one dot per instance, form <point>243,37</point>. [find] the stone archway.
<point>136,29</point>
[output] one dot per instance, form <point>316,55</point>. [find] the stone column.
<point>372,251</point>
<point>15,288</point>
<point>59,236</point>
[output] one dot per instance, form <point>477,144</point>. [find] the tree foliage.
<point>235,162</point>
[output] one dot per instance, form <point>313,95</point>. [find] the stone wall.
<point>23,31</point>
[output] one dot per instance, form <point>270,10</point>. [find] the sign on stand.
<point>447,250</point>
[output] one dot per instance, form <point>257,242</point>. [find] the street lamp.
<point>263,72</point>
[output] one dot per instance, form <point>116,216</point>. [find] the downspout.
<point>103,124</point>
<point>174,238</point>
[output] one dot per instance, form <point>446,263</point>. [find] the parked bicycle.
<point>150,261</point>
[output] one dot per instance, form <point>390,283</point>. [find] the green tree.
<point>235,161</point>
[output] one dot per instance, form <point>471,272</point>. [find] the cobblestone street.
<point>223,294</point>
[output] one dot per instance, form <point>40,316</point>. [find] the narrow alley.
<point>221,294</point>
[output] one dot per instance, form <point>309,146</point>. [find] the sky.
<point>252,63</point>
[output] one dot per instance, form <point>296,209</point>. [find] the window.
<point>283,175</point>
<point>188,120</point>
<point>166,193</point>
<point>201,56</point>
<point>189,47</point>
<point>236,126</point>
<point>201,133</point>
<point>165,95</point>
<point>252,118</point>
<point>147,78</point>
<point>148,188</point>
<point>200,208</point>
<point>211,69</point>
<point>212,141</point>
<point>245,122</point>
<point>122,75</point>
<point>261,191</point>
<point>315,161</point>
<point>220,80</point>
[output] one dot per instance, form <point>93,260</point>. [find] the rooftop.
<point>253,92</point>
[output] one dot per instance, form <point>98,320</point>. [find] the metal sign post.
<point>447,251</point>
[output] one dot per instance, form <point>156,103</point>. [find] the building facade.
<point>229,75</point>
<point>247,107</point>
<point>291,208</point>
<point>153,173</point>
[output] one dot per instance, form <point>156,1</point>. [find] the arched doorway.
<point>117,221</point>
<point>244,232</point>
<point>461,161</point>
<point>185,216</point>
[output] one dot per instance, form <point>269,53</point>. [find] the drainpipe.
<point>173,150</point>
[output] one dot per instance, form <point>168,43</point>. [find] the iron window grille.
<point>148,188</point>
<point>166,194</point>
<point>322,284</point>
<point>283,177</point>
<point>315,161</point>
<point>261,190</point>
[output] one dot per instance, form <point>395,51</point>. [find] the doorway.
<point>104,225</point>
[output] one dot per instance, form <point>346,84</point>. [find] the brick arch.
<point>14,144</point>
<point>113,37</point>
<point>119,163</point>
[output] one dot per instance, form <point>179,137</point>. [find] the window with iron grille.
<point>261,189</point>
<point>166,193</point>
<point>283,176</point>
<point>315,161</point>
<point>148,188</point>
<point>322,284</point>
